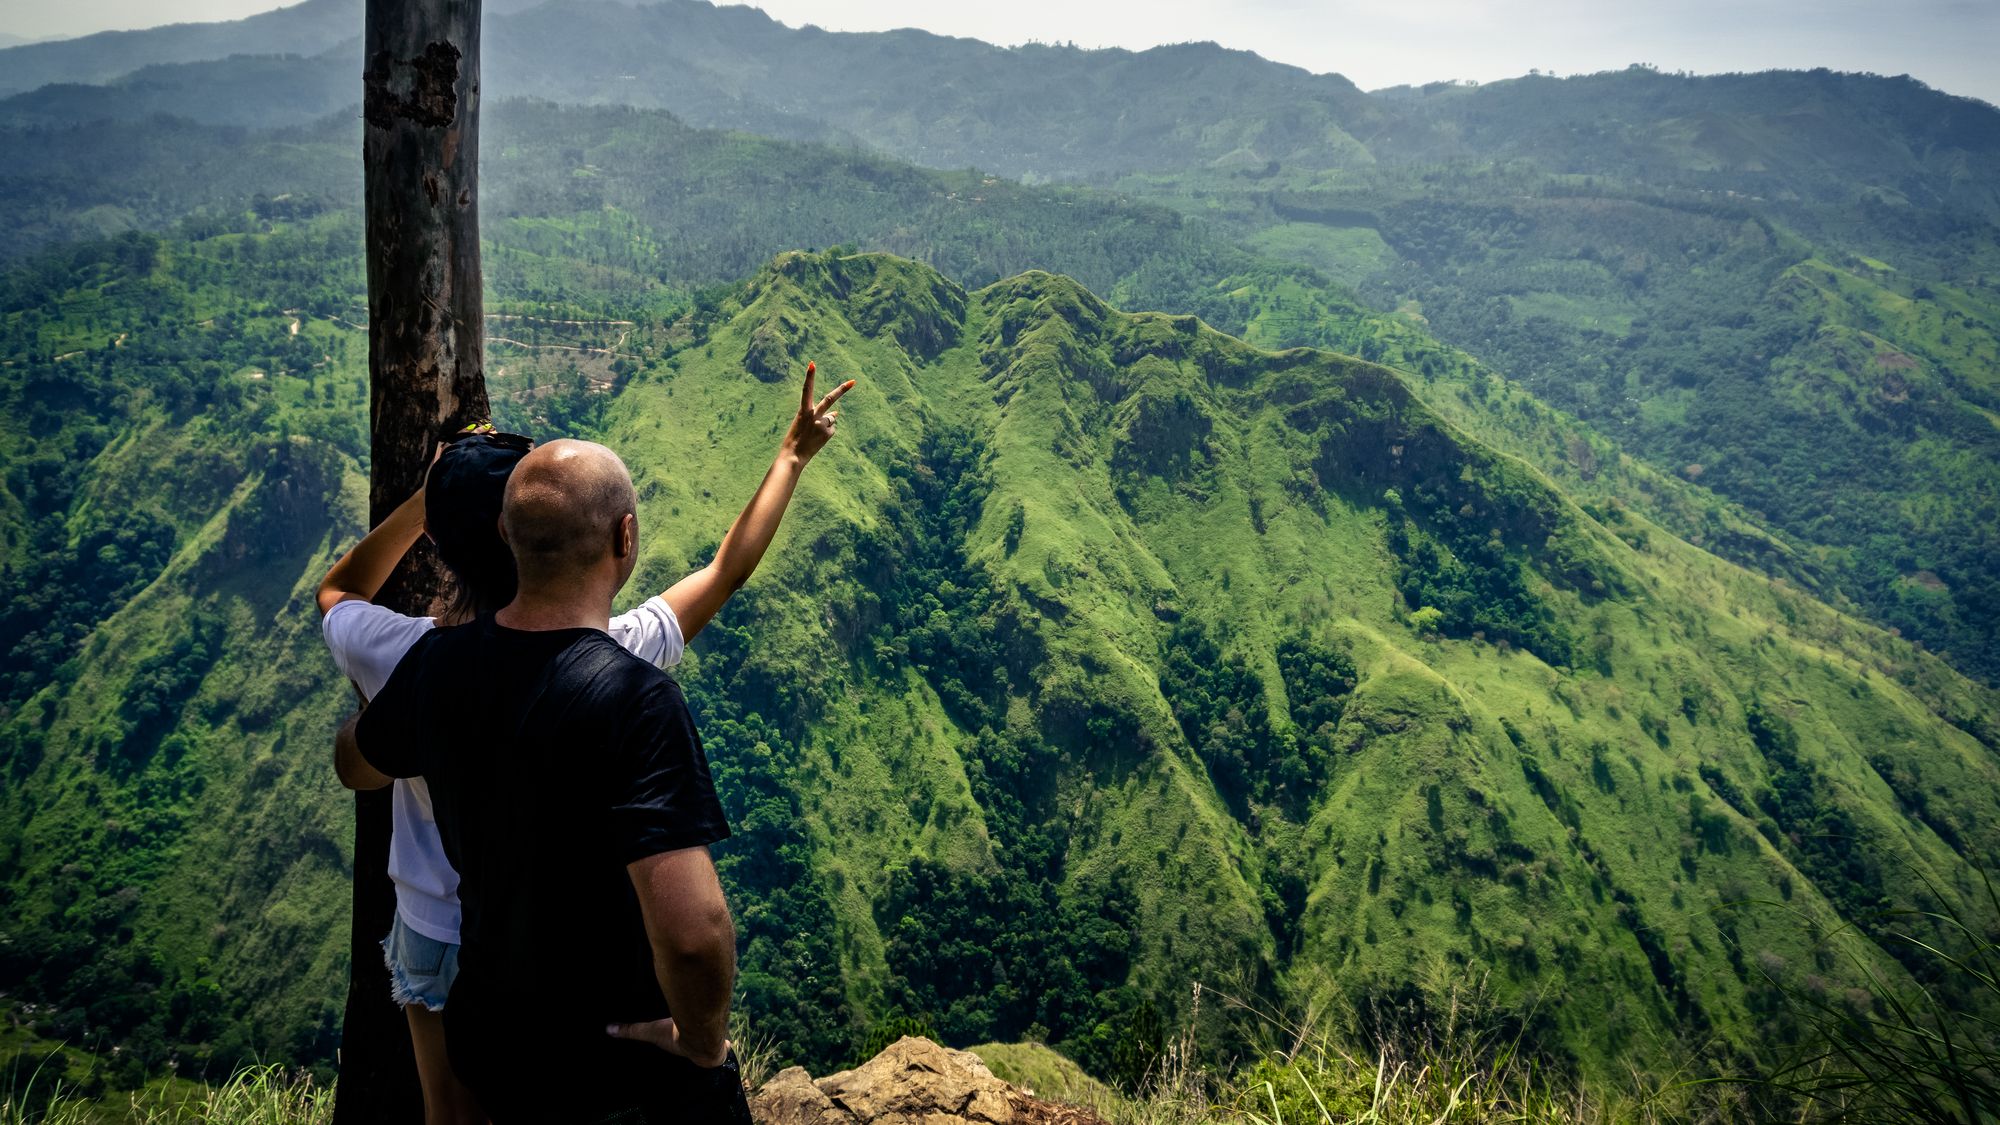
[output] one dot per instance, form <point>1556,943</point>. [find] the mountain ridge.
<point>1130,572</point>
<point>1510,250</point>
<point>739,68</point>
<point>296,29</point>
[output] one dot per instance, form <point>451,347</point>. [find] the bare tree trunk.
<point>420,150</point>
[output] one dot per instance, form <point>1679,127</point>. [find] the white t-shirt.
<point>367,643</point>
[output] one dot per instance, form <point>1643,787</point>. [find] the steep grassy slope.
<point>1576,830</point>
<point>1844,398</point>
<point>183,459</point>
<point>174,856</point>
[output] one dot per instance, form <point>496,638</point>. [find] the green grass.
<point>1045,1073</point>
<point>268,1095</point>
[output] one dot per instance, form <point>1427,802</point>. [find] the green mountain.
<point>1037,111</point>
<point>603,211</point>
<point>1322,684</point>
<point>1217,663</point>
<point>1779,284</point>
<point>590,208</point>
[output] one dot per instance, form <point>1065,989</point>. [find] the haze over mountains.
<point>1287,669</point>
<point>1041,110</point>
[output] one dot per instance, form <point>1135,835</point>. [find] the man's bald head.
<point>566,510</point>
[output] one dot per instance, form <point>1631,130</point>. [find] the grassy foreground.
<point>254,1096</point>
<point>1911,1058</point>
<point>1914,1061</point>
<point>1319,1084</point>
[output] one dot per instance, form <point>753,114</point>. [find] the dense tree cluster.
<point>1472,586</point>
<point>1708,339</point>
<point>1219,699</point>
<point>789,972</point>
<point>987,957</point>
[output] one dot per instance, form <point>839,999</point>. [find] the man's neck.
<point>541,611</point>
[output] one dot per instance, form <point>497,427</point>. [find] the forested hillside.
<point>598,212</point>
<point>1336,546</point>
<point>1097,618</point>
<point>597,209</point>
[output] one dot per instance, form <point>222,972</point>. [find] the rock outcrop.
<point>912,1082</point>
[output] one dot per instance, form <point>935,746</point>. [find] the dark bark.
<point>420,150</point>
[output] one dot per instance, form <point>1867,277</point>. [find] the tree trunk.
<point>420,151</point>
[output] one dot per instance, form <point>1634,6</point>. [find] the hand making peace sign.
<point>815,421</point>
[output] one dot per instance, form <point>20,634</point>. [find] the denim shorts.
<point>421,968</point>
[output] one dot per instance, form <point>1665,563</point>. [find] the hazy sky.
<point>1950,44</point>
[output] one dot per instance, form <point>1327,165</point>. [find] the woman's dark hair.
<point>462,501</point>
<point>477,588</point>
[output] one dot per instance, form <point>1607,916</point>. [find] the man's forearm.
<point>697,983</point>
<point>348,764</point>
<point>694,953</point>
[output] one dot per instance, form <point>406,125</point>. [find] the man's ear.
<point>500,526</point>
<point>627,539</point>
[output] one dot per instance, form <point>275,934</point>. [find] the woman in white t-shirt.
<point>459,510</point>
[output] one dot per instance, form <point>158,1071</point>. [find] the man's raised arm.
<point>694,954</point>
<point>697,598</point>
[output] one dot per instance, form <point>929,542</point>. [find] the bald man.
<point>575,802</point>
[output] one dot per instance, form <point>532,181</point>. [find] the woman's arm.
<point>348,764</point>
<point>360,573</point>
<point>696,598</point>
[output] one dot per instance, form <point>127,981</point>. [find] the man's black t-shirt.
<point>554,759</point>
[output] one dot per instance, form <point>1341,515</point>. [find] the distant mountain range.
<point>1055,112</point>
<point>1583,235</point>
<point>303,29</point>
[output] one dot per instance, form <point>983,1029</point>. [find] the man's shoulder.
<point>629,671</point>
<point>617,671</point>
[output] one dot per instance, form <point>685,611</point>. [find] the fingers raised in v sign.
<point>832,397</point>
<point>817,409</point>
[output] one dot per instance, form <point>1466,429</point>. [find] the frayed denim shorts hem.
<point>421,968</point>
